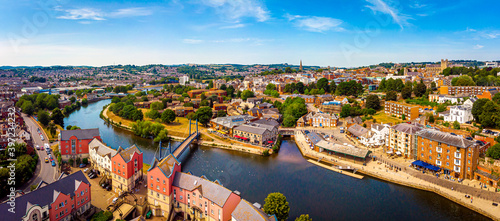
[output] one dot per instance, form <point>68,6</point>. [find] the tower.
<point>444,64</point>
<point>300,68</point>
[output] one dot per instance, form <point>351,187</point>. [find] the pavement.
<point>44,171</point>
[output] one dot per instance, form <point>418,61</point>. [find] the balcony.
<point>457,169</point>
<point>457,162</point>
<point>439,149</point>
<point>458,155</point>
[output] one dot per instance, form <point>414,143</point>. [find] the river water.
<point>323,194</point>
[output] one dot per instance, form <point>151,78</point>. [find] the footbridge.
<point>181,149</point>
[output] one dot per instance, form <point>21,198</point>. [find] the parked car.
<point>46,159</point>
<point>86,169</point>
<point>454,134</point>
<point>108,188</point>
<point>341,131</point>
<point>469,138</point>
<point>37,147</point>
<point>92,176</point>
<point>53,163</point>
<point>83,165</point>
<point>114,200</point>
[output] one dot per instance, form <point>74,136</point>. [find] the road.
<point>46,171</point>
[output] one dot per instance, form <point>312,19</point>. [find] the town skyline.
<point>339,34</point>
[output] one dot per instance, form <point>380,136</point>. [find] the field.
<point>381,117</point>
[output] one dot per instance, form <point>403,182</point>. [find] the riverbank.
<point>203,141</point>
<point>404,177</point>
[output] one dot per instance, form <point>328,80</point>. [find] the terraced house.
<point>63,199</point>
<point>127,169</point>
<point>172,193</point>
<point>454,155</point>
<point>100,156</point>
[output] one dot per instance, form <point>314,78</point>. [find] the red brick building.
<point>63,199</point>
<point>75,143</point>
<point>126,168</point>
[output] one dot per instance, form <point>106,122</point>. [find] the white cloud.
<point>489,34</point>
<point>82,13</point>
<point>385,8</point>
<point>192,41</point>
<point>315,24</point>
<point>233,26</point>
<point>478,46</point>
<point>234,10</point>
<point>98,15</point>
<point>131,12</point>
<point>418,5</point>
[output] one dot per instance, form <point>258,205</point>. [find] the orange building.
<point>455,155</point>
<point>399,109</point>
<point>474,90</point>
<point>485,176</point>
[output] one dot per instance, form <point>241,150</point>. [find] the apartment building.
<point>398,109</point>
<point>100,156</point>
<point>127,168</point>
<point>75,143</point>
<point>160,178</point>
<point>454,155</point>
<point>474,90</point>
<point>401,139</point>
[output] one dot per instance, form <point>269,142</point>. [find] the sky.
<point>336,33</point>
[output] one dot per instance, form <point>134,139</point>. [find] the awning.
<point>389,152</point>
<point>426,165</point>
<point>237,136</point>
<point>244,138</point>
<point>270,141</point>
<point>398,153</point>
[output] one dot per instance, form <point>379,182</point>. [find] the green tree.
<point>406,92</point>
<point>230,91</point>
<point>420,89</point>
<point>162,136</point>
<point>211,84</point>
<point>153,114</point>
<point>157,105</point>
<point>323,84</point>
<point>168,116</point>
<point>303,217</point>
<point>403,117</point>
<point>117,99</point>
<point>276,204</point>
<point>247,94</point>
<point>373,102</point>
<point>494,152</point>
<point>496,98</point>
<point>456,125</point>
<point>85,101</point>
<point>221,113</point>
<point>271,87</point>
<point>43,117</point>
<point>391,96</point>
<point>28,108</point>
<point>463,80</point>
<point>346,111</point>
<point>433,86</point>
<point>431,118</point>
<point>58,117</point>
<point>203,115</point>
<point>489,116</point>
<point>477,108</point>
<point>52,128</point>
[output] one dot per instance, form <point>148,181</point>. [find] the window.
<point>430,151</point>
<point>430,158</point>
<point>158,180</point>
<point>422,155</point>
<point>163,182</point>
<point>157,187</point>
<point>164,189</point>
<point>151,177</point>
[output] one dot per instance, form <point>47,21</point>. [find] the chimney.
<point>237,192</point>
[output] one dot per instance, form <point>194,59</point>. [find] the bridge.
<point>286,132</point>
<point>185,144</point>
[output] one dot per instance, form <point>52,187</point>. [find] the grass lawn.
<point>178,128</point>
<point>381,117</point>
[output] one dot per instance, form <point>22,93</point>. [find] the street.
<point>46,171</point>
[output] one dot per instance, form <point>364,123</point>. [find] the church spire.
<point>300,68</point>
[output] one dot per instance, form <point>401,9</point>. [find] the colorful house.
<point>126,169</point>
<point>74,144</point>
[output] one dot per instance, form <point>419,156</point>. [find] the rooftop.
<point>210,190</point>
<point>407,128</point>
<point>81,134</point>
<point>248,212</point>
<point>446,138</point>
<point>351,151</point>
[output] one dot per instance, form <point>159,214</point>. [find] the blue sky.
<point>341,33</point>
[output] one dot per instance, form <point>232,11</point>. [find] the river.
<point>323,194</point>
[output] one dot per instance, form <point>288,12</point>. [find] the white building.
<point>183,80</point>
<point>100,156</point>
<point>460,113</point>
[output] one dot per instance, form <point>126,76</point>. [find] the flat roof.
<point>351,151</point>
